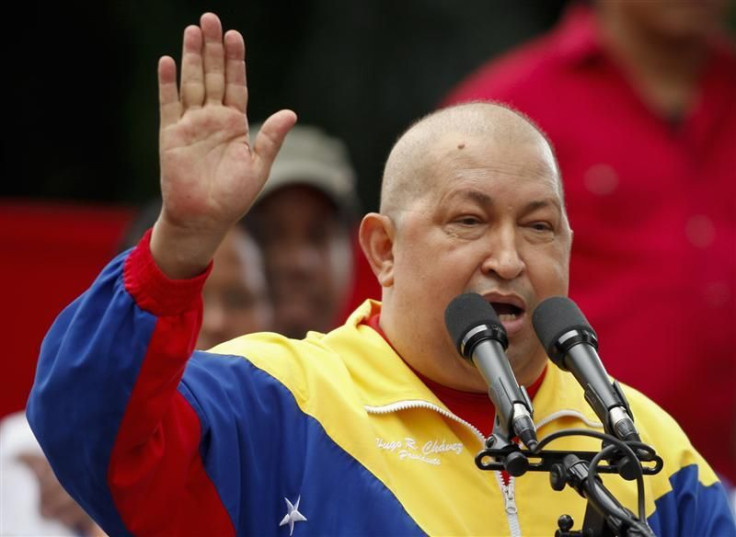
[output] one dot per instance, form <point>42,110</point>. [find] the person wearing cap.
<point>372,428</point>
<point>304,220</point>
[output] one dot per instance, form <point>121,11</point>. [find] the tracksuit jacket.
<point>333,435</point>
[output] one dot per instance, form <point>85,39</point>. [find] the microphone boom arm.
<point>604,516</point>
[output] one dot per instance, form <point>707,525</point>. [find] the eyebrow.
<point>484,199</point>
<point>479,197</point>
<point>541,204</point>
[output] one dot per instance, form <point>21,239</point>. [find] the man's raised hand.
<point>210,174</point>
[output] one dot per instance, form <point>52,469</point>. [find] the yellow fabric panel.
<point>366,399</point>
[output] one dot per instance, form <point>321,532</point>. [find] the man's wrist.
<point>155,291</point>
<point>181,254</point>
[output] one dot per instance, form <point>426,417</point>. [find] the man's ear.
<point>376,236</point>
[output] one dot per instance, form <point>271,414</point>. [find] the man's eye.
<point>541,226</point>
<point>468,220</point>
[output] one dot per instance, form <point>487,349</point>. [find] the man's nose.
<point>502,257</point>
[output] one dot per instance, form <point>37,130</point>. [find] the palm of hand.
<point>210,173</point>
<point>208,169</point>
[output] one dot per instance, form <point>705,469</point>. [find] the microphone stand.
<point>604,515</point>
<point>512,458</point>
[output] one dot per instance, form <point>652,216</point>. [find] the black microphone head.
<point>554,317</point>
<point>469,311</point>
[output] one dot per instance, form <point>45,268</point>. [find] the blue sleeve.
<point>692,509</point>
<point>87,367</point>
<point>104,404</point>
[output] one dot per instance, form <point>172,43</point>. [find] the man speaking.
<point>371,429</point>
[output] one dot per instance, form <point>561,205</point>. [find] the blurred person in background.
<point>306,251</point>
<point>235,296</point>
<point>639,100</point>
<point>305,221</point>
<point>235,299</point>
<point>32,501</point>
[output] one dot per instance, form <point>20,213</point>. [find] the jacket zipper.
<point>510,503</point>
<point>512,516</point>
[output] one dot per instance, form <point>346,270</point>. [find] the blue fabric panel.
<point>260,449</point>
<point>66,424</point>
<point>682,511</point>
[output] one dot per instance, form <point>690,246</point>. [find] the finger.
<point>192,74</point>
<point>269,140</point>
<point>214,58</point>
<point>236,88</point>
<point>168,94</point>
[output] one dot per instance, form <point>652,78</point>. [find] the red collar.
<point>473,407</point>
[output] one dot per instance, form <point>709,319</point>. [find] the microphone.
<point>572,344</point>
<point>481,338</point>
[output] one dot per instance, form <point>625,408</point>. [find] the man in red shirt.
<point>638,99</point>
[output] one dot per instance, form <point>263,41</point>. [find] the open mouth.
<point>507,312</point>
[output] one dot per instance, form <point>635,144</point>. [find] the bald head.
<point>441,135</point>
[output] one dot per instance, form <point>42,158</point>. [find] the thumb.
<point>269,140</point>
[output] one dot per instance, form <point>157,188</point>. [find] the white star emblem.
<point>292,515</point>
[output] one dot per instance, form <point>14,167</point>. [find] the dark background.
<point>80,120</point>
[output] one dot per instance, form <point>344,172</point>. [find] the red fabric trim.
<point>156,475</point>
<point>154,291</point>
<point>169,494</point>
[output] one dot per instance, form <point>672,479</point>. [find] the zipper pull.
<point>510,502</point>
